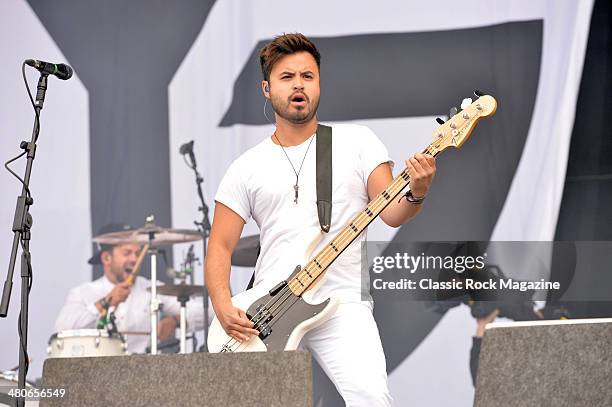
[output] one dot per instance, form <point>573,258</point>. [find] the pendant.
<point>295,188</point>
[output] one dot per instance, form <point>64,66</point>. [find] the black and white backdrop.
<point>151,75</point>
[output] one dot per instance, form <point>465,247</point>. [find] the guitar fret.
<point>369,212</point>
<point>354,228</point>
<point>386,195</point>
<point>405,176</point>
<point>334,246</point>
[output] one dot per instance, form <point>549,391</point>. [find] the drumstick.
<point>136,268</point>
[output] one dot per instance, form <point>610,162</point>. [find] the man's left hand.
<point>421,169</point>
<point>166,328</point>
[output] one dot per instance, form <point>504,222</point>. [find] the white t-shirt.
<point>260,184</point>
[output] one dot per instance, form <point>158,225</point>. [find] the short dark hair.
<point>285,44</point>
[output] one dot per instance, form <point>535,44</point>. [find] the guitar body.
<point>281,326</point>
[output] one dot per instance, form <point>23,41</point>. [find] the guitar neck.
<point>315,268</point>
<point>452,133</point>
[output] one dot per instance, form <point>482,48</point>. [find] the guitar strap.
<point>324,181</point>
<point>324,176</point>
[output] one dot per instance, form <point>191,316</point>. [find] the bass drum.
<point>78,343</point>
<point>8,381</point>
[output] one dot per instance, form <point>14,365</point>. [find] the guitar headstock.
<point>455,131</point>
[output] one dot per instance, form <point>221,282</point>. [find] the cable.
<point>265,114</point>
<point>37,123</point>
<point>22,342</point>
<point>190,165</point>
<point>6,165</point>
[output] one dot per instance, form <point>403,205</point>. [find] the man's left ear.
<point>265,85</point>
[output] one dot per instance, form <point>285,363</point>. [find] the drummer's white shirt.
<point>79,310</point>
<point>260,183</point>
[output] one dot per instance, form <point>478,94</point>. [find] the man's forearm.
<point>218,267</point>
<point>400,211</point>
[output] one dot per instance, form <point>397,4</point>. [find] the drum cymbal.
<point>180,290</point>
<point>246,251</point>
<point>162,236</point>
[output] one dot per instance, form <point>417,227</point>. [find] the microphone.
<point>61,71</point>
<point>186,148</point>
<point>190,255</point>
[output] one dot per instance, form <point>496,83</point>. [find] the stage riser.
<point>243,379</point>
<point>546,365</point>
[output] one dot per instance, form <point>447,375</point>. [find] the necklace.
<point>296,187</point>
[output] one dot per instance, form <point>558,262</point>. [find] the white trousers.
<point>348,348</point>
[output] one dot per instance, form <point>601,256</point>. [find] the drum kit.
<point>110,342</point>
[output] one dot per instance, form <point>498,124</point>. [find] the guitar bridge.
<point>260,321</point>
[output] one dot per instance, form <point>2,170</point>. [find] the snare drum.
<point>85,343</point>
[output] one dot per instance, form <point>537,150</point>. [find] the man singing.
<point>275,183</point>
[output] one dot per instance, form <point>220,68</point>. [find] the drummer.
<point>131,303</point>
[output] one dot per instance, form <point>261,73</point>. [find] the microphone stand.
<point>22,223</point>
<point>204,228</point>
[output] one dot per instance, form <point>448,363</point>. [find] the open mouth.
<point>298,100</point>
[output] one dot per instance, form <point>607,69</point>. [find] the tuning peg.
<point>440,121</point>
<point>478,93</point>
<point>452,112</point>
<point>465,103</point>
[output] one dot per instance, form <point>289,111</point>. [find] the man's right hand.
<point>119,293</point>
<point>235,322</point>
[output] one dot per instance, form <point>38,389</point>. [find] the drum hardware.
<point>184,274</point>
<point>182,292</point>
<point>204,225</point>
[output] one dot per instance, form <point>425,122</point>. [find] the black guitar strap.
<point>324,176</point>
<point>324,181</point>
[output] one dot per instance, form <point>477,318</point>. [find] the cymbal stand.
<point>204,227</point>
<point>183,323</point>
<point>155,302</point>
